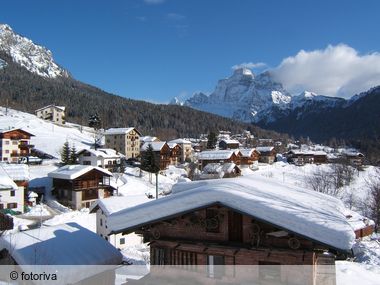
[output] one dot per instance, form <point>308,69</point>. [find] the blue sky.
<point>157,49</point>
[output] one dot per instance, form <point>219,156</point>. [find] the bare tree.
<point>320,181</point>
<point>373,184</point>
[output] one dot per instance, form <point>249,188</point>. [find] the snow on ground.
<point>367,251</point>
<point>38,210</point>
<point>352,273</point>
<point>49,137</point>
<point>82,217</point>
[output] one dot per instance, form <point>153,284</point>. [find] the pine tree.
<point>65,153</point>
<point>148,160</point>
<point>95,122</point>
<point>73,155</point>
<point>211,140</point>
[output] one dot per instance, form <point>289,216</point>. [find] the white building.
<point>103,157</point>
<point>11,196</point>
<point>124,140</point>
<point>55,114</point>
<point>186,149</point>
<point>14,143</point>
<point>104,208</point>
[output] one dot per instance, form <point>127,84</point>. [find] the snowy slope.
<point>48,137</point>
<point>34,58</point>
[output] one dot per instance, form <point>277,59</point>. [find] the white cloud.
<point>154,1</point>
<point>250,65</point>
<point>335,71</point>
<point>175,16</point>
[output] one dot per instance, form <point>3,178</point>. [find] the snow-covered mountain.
<point>35,58</point>
<point>249,98</point>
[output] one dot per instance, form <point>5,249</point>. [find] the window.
<point>101,222</point>
<point>1,206</point>
<point>14,142</point>
<point>122,240</point>
<point>13,193</point>
<point>212,221</point>
<point>6,142</point>
<point>214,266</point>
<point>11,205</point>
<point>6,151</point>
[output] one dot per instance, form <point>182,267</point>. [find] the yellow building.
<point>124,140</point>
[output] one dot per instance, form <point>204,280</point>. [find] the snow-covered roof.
<point>264,148</point>
<point>120,131</point>
<point>230,141</point>
<point>172,145</point>
<point>7,183</point>
<point>17,172</point>
<point>307,213</point>
<point>3,131</point>
<point>74,171</point>
<point>247,152</point>
<point>62,108</point>
<point>307,152</point>
<point>66,244</point>
<point>157,146</point>
<point>116,203</point>
<point>102,152</point>
<point>148,139</point>
<point>357,221</point>
<point>215,154</point>
<point>220,168</point>
<point>180,141</point>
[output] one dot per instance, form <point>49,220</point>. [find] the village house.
<point>301,157</point>
<point>104,208</point>
<point>102,157</point>
<point>14,143</point>
<point>53,113</point>
<point>229,144</point>
<point>249,157</point>
<point>64,244</point>
<point>162,153</point>
<point>218,156</point>
<point>236,222</point>
<point>267,154</point>
<point>219,170</point>
<point>124,140</point>
<point>11,195</point>
<point>354,158</point>
<point>78,186</point>
<point>186,149</point>
<point>175,153</point>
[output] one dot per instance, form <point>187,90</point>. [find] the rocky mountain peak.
<point>35,58</point>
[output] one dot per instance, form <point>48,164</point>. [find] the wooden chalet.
<point>78,186</point>
<point>161,151</point>
<point>207,223</point>
<point>175,153</point>
<point>218,156</point>
<point>267,154</point>
<point>354,158</point>
<point>249,156</point>
<point>229,144</point>
<point>299,157</point>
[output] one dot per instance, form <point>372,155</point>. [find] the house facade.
<point>79,186</point>
<point>267,154</point>
<point>218,156</point>
<point>175,153</point>
<point>102,157</point>
<point>53,113</point>
<point>229,144</point>
<point>14,144</point>
<point>162,153</point>
<point>232,222</point>
<point>186,149</point>
<point>11,195</point>
<point>124,140</point>
<point>249,157</point>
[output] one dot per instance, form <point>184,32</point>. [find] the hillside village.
<point>184,201</point>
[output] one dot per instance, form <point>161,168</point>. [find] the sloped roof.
<point>264,148</point>
<point>62,108</point>
<point>7,183</point>
<point>180,141</point>
<point>120,131</point>
<point>215,154</point>
<point>310,214</point>
<point>230,141</point>
<point>157,146</point>
<point>102,152</point>
<point>247,152</point>
<point>66,244</point>
<point>149,139</point>
<point>14,129</point>
<point>17,172</point>
<point>172,145</point>
<point>116,203</point>
<point>74,171</point>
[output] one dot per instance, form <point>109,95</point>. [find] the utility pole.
<point>156,185</point>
